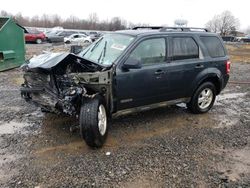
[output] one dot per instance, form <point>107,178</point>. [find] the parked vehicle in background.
<point>94,35</point>
<point>77,38</point>
<point>228,38</point>
<point>54,37</point>
<point>129,71</point>
<point>66,33</point>
<point>33,35</point>
<point>245,39</point>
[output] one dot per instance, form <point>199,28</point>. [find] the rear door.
<point>147,85</point>
<point>76,38</point>
<point>185,64</point>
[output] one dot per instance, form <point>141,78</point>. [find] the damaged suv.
<point>129,71</point>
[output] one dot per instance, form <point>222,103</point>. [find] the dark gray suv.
<point>129,71</point>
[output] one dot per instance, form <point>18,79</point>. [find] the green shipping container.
<point>12,44</point>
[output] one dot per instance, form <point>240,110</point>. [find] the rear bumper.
<point>225,81</point>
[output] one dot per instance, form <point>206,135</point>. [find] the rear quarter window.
<point>213,45</point>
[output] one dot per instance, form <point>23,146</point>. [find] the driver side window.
<point>150,51</point>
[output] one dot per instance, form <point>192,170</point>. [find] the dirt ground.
<point>239,52</point>
<point>167,147</point>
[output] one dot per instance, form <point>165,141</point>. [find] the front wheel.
<point>39,41</point>
<point>203,98</point>
<point>94,122</point>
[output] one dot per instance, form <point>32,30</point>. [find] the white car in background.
<point>77,38</point>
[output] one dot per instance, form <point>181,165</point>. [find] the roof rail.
<point>164,29</point>
<point>147,27</point>
<point>187,29</point>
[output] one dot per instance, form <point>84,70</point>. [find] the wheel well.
<point>215,81</point>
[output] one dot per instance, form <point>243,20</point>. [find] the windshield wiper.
<point>103,53</point>
<point>96,44</point>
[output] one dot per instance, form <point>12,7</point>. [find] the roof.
<point>158,30</point>
<point>136,32</point>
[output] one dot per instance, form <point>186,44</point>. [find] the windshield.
<point>33,31</point>
<point>107,49</point>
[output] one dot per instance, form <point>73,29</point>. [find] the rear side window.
<point>213,45</point>
<point>185,48</point>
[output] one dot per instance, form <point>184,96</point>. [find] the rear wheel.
<point>86,41</point>
<point>203,98</point>
<point>94,122</point>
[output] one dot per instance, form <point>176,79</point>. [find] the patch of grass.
<point>18,80</point>
<point>239,52</point>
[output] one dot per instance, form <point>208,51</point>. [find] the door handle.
<point>199,66</point>
<point>159,72</point>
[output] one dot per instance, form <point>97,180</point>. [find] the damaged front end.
<point>60,82</point>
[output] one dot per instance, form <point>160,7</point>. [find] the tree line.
<point>224,23</point>
<point>91,23</point>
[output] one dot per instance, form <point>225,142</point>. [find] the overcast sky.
<point>154,12</point>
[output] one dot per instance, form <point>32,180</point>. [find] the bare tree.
<point>21,20</point>
<point>225,23</point>
<point>4,13</point>
<point>35,21</point>
<point>93,20</point>
<point>213,25</point>
<point>56,20</point>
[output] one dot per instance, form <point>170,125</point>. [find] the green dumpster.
<point>12,44</point>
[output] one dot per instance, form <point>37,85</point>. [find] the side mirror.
<point>132,63</point>
<point>75,49</point>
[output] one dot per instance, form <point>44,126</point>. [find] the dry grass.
<point>239,52</point>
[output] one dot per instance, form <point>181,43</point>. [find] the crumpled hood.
<point>47,60</point>
<point>50,60</point>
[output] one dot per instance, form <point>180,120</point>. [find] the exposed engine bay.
<point>60,82</point>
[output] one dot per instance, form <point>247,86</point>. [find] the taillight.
<point>228,66</point>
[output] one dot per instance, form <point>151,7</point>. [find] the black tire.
<point>194,106</point>
<point>67,42</point>
<point>89,128</point>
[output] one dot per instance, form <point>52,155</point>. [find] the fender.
<point>206,74</point>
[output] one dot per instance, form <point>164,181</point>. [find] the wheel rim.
<point>102,120</point>
<point>39,41</point>
<point>205,98</point>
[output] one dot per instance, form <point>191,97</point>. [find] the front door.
<point>147,85</point>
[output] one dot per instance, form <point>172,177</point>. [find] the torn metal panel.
<point>60,82</point>
<point>92,78</point>
<point>49,61</point>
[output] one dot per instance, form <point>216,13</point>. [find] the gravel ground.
<point>167,147</point>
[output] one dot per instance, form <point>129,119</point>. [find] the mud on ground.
<point>167,147</point>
